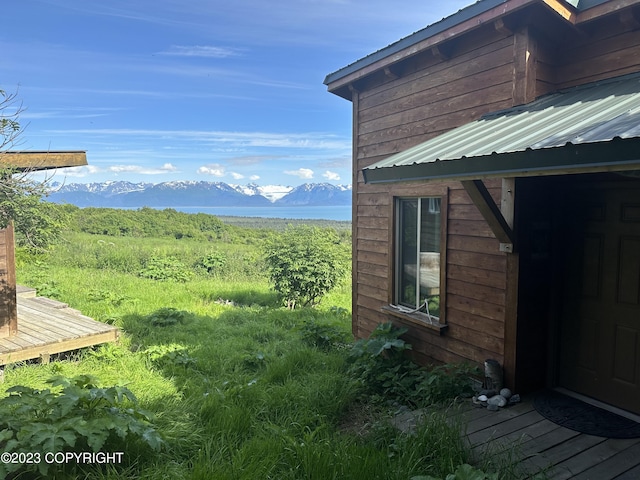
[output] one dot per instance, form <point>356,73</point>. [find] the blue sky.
<point>166,90</point>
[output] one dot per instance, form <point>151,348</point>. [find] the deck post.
<point>8,305</point>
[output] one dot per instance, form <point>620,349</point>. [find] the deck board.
<point>520,434</point>
<point>45,328</point>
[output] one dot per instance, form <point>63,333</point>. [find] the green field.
<point>236,385</point>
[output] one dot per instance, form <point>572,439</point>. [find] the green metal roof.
<point>594,127</point>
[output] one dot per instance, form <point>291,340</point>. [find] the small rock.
<point>493,408</point>
<point>506,393</point>
<point>498,401</point>
<point>514,399</point>
<point>482,398</point>
<point>488,393</point>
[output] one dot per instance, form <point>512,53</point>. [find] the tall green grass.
<point>237,385</point>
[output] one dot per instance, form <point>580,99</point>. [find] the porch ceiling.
<point>592,128</point>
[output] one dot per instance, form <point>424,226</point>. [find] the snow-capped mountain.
<point>197,194</point>
<point>318,194</point>
<point>270,192</point>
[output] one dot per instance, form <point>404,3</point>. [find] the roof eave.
<point>43,160</point>
<point>610,156</point>
<point>464,21</point>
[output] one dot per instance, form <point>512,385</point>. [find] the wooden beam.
<point>525,54</point>
<point>390,73</point>
<point>482,199</point>
<point>42,160</point>
<point>501,27</point>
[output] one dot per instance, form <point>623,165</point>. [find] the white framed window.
<point>419,247</point>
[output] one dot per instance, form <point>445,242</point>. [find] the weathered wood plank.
<point>477,307</point>
<point>43,160</point>
<point>592,457</point>
<point>613,466</point>
<point>46,330</point>
<point>475,324</point>
<point>484,261</point>
<point>478,292</point>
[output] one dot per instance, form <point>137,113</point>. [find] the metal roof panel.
<point>597,112</point>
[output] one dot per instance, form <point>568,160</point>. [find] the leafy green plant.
<point>108,296</point>
<point>379,363</point>
<point>165,268</point>
<point>304,263</point>
<point>170,355</point>
<point>322,335</point>
<point>211,263</point>
<point>167,316</point>
<point>82,416</point>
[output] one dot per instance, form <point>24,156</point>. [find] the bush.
<point>166,268</point>
<point>304,263</point>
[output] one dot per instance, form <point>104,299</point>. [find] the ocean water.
<point>341,212</point>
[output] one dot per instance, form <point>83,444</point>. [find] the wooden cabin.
<point>496,192</point>
<point>23,161</point>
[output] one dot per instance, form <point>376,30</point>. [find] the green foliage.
<point>212,262</point>
<point>304,263</point>
<point>166,268</point>
<point>380,364</point>
<point>167,316</point>
<point>462,472</point>
<point>324,336</point>
<point>81,417</point>
<point>164,355</point>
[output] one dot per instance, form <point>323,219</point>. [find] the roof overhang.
<point>481,13</point>
<point>616,155</point>
<point>32,160</point>
<point>586,129</point>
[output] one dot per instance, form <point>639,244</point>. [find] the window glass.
<point>418,276</point>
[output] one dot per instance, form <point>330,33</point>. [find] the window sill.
<point>417,318</point>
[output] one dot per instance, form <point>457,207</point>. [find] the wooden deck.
<point>47,327</point>
<point>520,433</point>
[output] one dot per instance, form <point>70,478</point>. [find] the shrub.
<point>212,263</point>
<point>166,268</point>
<point>380,364</point>
<point>304,263</point>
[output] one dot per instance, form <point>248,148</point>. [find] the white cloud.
<point>237,176</point>
<point>304,173</point>
<point>214,169</point>
<point>331,175</point>
<point>142,170</point>
<point>253,178</point>
<point>208,51</point>
<point>82,171</point>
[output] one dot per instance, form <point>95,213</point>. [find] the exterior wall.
<point>486,70</point>
<point>431,96</point>
<point>610,48</point>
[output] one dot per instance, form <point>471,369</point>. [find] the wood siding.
<point>610,48</point>
<point>432,96</point>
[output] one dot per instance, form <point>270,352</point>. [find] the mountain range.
<point>116,194</point>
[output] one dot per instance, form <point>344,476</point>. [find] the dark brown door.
<point>600,327</point>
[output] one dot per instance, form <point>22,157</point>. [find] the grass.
<point>239,387</point>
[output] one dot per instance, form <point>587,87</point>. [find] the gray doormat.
<point>582,417</point>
